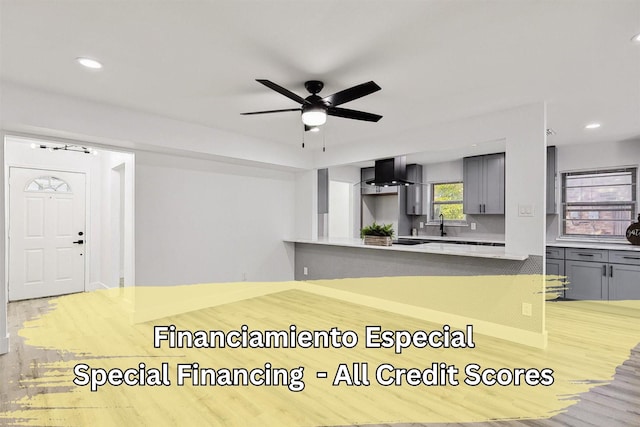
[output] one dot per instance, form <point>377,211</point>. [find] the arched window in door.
<point>48,184</point>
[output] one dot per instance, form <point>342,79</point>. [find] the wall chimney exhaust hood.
<point>390,172</point>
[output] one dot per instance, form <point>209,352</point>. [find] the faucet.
<point>442,233</point>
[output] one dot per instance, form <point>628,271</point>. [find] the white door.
<point>46,233</point>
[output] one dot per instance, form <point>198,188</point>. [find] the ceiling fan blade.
<point>270,111</point>
<point>282,91</point>
<point>352,93</point>
<point>353,114</point>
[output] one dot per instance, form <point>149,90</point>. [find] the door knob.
<point>79,242</point>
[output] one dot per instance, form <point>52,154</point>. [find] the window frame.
<point>432,203</point>
<point>632,204</point>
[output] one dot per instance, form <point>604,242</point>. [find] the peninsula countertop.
<point>496,252</point>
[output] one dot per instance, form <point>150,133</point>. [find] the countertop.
<point>454,239</point>
<point>496,252</point>
<point>591,244</point>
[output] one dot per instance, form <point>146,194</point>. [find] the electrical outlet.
<point>526,309</point>
<point>421,224</point>
<point>473,225</point>
<point>305,271</point>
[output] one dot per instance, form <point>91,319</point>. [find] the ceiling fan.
<point>315,109</point>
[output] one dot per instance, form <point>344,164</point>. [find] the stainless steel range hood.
<point>390,172</point>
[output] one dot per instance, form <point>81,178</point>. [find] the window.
<point>48,184</point>
<point>598,203</point>
<point>446,199</point>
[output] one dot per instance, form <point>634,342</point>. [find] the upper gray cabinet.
<point>415,192</point>
<point>483,190</point>
<point>552,169</point>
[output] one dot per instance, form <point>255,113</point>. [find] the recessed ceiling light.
<point>474,145</point>
<point>636,38</point>
<point>592,126</point>
<point>89,63</point>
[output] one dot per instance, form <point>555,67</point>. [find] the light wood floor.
<point>610,405</point>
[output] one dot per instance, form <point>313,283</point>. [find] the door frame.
<point>87,218</point>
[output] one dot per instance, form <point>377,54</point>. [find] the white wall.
<point>599,155</point>
<point>306,205</point>
<point>351,175</point>
<point>442,172</point>
<point>117,174</point>
<point>200,221</point>
<point>28,110</point>
<point>340,209</point>
<point>4,333</point>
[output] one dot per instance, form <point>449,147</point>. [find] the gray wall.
<point>338,262</point>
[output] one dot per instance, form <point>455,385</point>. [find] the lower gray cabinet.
<point>587,280</point>
<point>555,263</point>
<point>624,282</point>
<point>591,277</point>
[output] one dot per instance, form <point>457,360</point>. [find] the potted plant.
<point>377,235</point>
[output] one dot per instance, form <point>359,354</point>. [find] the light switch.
<point>525,210</point>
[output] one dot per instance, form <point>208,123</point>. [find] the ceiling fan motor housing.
<point>314,86</point>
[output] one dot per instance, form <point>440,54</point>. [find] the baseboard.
<point>4,345</point>
<point>94,286</point>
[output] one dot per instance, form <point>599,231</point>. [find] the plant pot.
<point>377,240</point>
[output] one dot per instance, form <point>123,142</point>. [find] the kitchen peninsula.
<point>343,258</point>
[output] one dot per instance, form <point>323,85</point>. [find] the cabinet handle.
<point>548,252</point>
<point>585,254</point>
<point>611,271</point>
<point>630,257</point>
<point>604,270</point>
<point>480,208</point>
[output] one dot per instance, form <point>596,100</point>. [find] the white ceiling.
<point>436,61</point>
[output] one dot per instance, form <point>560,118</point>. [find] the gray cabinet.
<point>555,263</point>
<point>624,282</point>
<point>624,275</point>
<point>599,274</point>
<point>552,168</point>
<point>483,189</point>
<point>415,192</point>
<point>587,280</point>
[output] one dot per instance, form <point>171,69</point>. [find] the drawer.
<point>595,255</point>
<point>624,257</point>
<point>554,253</point>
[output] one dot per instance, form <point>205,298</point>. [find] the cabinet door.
<point>414,191</point>
<point>587,280</point>
<point>555,267</point>
<point>624,282</point>
<point>552,166</point>
<point>493,184</point>
<point>472,185</point>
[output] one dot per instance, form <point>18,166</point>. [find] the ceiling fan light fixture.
<point>314,116</point>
